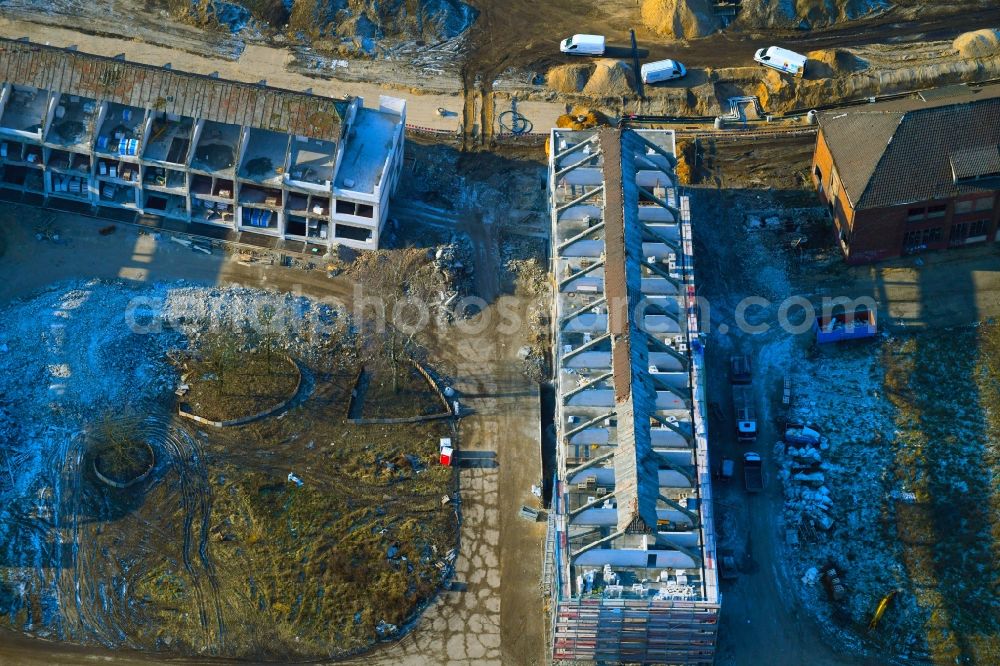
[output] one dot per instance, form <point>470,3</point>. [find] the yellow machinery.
<point>880,610</point>
<point>580,118</point>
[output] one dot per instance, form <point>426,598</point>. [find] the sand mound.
<point>833,62</point>
<point>570,78</point>
<point>611,78</point>
<point>681,19</point>
<point>978,44</point>
<point>599,78</point>
<point>807,14</point>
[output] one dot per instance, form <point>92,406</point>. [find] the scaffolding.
<point>633,555</point>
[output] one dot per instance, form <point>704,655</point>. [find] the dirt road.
<point>760,610</point>
<point>472,108</point>
<point>735,47</point>
<point>258,62</point>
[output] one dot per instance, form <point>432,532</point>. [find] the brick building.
<point>911,175</point>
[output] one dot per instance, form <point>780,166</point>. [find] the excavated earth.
<point>299,536</point>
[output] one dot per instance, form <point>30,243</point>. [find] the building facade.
<point>633,556</point>
<point>111,134</point>
<point>911,176</point>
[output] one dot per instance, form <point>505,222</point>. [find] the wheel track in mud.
<point>184,455</point>
<point>188,463</point>
<point>87,620</point>
<point>206,524</point>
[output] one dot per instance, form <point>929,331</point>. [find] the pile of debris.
<point>455,261</point>
<point>807,499</point>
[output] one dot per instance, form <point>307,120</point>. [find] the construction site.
<point>357,333</point>
<point>289,167</point>
<point>635,547</point>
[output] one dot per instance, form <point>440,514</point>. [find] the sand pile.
<point>978,44</point>
<point>833,62</point>
<point>571,78</point>
<point>887,75</point>
<point>680,19</point>
<point>611,78</point>
<point>598,79</point>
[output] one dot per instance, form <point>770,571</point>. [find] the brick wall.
<point>882,233</point>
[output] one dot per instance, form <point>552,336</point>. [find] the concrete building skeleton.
<point>103,133</point>
<point>634,575</point>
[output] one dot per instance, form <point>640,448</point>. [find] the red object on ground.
<point>446,456</point>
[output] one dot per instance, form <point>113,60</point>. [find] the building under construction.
<point>112,136</point>
<point>634,575</point>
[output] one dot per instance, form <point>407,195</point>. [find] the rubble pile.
<point>456,262</point>
<point>802,475</point>
<point>808,14</point>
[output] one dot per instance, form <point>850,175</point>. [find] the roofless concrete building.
<point>635,577</point>
<point>114,136</point>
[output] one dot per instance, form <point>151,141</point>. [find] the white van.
<point>782,60</point>
<point>583,45</point>
<point>662,70</point>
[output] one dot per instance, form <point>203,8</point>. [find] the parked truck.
<point>739,369</point>
<point>753,472</point>
<point>746,415</point>
<point>845,326</point>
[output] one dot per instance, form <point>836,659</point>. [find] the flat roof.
<point>217,148</point>
<point>312,160</point>
<point>264,156</point>
<point>74,122</point>
<point>25,109</point>
<point>367,150</point>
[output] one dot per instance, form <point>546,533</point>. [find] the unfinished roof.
<point>915,150</point>
<point>175,92</point>
<point>630,452</point>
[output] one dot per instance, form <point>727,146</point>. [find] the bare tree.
<point>266,318</point>
<point>122,454</point>
<point>221,353</point>
<point>400,288</point>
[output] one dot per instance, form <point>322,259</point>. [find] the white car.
<point>783,60</point>
<point>662,70</point>
<point>583,45</point>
